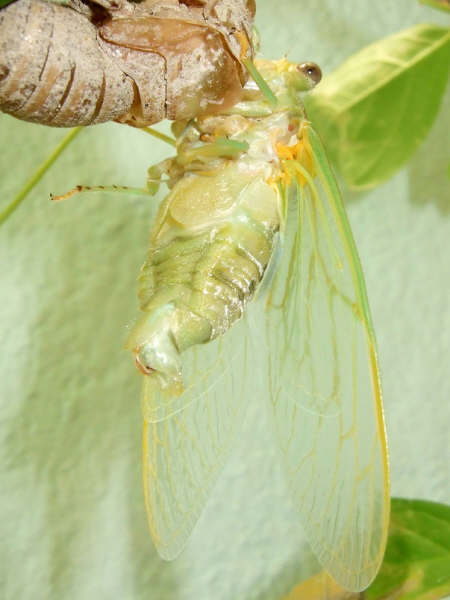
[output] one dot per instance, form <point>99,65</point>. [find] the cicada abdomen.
<point>210,247</point>
<point>137,63</point>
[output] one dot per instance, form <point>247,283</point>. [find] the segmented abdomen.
<point>210,264</point>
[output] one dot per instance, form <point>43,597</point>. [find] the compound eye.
<point>312,71</point>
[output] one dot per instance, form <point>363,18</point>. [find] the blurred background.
<point>73,522</point>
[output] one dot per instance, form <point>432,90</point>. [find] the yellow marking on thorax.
<point>299,153</point>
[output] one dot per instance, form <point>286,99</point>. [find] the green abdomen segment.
<point>210,246</point>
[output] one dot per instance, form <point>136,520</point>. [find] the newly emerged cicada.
<point>252,251</point>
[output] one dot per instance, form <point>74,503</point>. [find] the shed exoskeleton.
<point>133,62</point>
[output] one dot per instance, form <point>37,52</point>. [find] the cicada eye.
<point>312,71</point>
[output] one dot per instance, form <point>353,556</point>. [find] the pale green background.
<point>72,520</point>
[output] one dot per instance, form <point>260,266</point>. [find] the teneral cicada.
<point>81,63</point>
<point>253,243</point>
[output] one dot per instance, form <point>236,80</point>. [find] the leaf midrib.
<point>443,550</point>
<point>384,82</point>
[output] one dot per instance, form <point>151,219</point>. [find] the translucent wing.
<point>324,381</point>
<point>185,450</point>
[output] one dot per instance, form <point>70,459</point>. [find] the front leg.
<point>155,172</point>
<point>154,175</point>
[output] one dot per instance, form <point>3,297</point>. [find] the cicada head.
<point>283,76</point>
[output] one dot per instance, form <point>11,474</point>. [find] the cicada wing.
<point>324,380</point>
<point>185,450</point>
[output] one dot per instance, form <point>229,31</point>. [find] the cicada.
<point>252,258</point>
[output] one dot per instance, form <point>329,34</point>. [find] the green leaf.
<point>375,109</point>
<point>5,3</point>
<point>438,4</point>
<point>416,565</point>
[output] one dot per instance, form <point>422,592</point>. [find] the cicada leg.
<point>220,148</point>
<point>153,180</point>
<point>102,188</point>
<point>160,136</point>
<point>154,174</point>
<point>261,82</point>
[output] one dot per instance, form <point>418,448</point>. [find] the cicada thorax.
<point>138,63</point>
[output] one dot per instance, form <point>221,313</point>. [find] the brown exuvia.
<point>137,63</point>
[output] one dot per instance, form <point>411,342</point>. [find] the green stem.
<point>38,174</point>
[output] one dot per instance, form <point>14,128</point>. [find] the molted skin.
<point>135,63</point>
